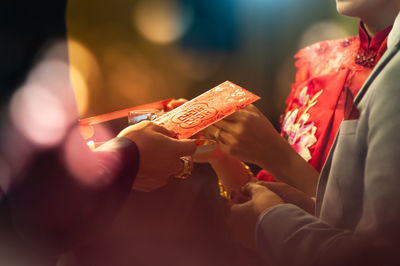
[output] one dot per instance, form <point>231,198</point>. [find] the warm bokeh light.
<point>197,65</point>
<point>87,131</point>
<point>130,74</point>
<point>91,145</point>
<point>84,170</point>
<point>81,90</point>
<point>39,115</point>
<point>44,107</point>
<point>161,21</point>
<point>84,71</point>
<point>84,167</point>
<point>148,50</point>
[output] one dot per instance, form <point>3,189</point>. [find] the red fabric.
<point>329,75</point>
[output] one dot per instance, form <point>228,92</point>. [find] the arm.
<point>249,136</point>
<point>60,192</point>
<point>69,193</point>
<point>289,167</point>
<point>230,171</point>
<point>309,240</point>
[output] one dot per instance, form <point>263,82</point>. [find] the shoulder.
<point>386,85</point>
<point>324,57</point>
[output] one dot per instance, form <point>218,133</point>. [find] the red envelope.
<point>94,128</point>
<point>206,109</point>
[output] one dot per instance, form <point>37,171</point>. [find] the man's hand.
<point>291,195</point>
<point>246,207</point>
<point>160,154</point>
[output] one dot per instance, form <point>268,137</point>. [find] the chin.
<point>349,8</point>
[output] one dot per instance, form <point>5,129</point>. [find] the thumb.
<point>162,130</point>
<point>184,147</point>
<point>175,103</point>
<point>252,188</point>
<point>276,187</point>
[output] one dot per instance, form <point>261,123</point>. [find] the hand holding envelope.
<point>160,154</point>
<point>187,118</point>
<point>206,109</point>
<point>193,116</point>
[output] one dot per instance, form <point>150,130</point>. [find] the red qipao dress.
<point>329,75</point>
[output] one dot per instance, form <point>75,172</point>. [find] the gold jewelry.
<point>222,192</point>
<point>187,168</point>
<point>249,172</point>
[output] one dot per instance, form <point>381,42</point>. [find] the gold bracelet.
<point>224,193</point>
<point>249,172</point>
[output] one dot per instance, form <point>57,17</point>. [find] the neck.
<point>374,24</point>
<point>373,29</point>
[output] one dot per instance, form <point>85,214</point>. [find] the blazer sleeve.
<point>287,235</point>
<point>63,201</point>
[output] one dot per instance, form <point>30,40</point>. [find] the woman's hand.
<point>249,136</point>
<point>174,104</point>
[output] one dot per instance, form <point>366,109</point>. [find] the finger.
<point>224,125</point>
<point>228,144</point>
<point>238,197</point>
<point>177,167</point>
<point>237,209</point>
<point>178,102</point>
<point>234,129</point>
<point>276,187</point>
<point>184,147</point>
<point>251,108</point>
<point>175,103</point>
<point>225,148</point>
<point>211,132</point>
<point>150,185</point>
<point>252,188</point>
<point>225,137</point>
<point>235,117</point>
<point>145,183</point>
<point>162,130</point>
<point>185,168</point>
<point>199,135</point>
<point>227,207</point>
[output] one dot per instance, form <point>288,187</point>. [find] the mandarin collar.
<point>372,45</point>
<point>371,50</point>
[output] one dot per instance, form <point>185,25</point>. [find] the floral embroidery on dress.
<point>299,133</point>
<point>325,57</point>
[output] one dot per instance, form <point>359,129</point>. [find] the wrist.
<point>277,164</point>
<point>232,173</point>
<point>289,167</point>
